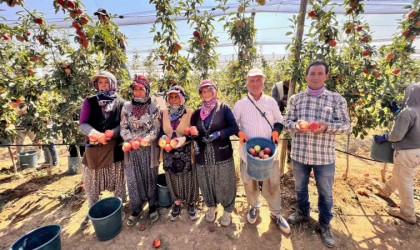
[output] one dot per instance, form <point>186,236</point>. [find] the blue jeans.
<point>324,177</point>
<point>50,154</point>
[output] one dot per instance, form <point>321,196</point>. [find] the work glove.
<point>242,137</point>
<point>394,108</point>
<point>211,137</point>
<point>275,137</point>
<point>380,138</point>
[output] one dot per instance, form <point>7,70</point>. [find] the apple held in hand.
<point>168,148</point>
<point>145,142</point>
<point>187,131</point>
<point>109,133</point>
<point>313,126</point>
<point>126,146</point>
<point>173,143</point>
<point>303,125</point>
<point>162,142</point>
<point>135,144</point>
<point>93,138</point>
<point>194,131</point>
<point>102,138</point>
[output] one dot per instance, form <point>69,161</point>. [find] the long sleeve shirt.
<point>329,107</point>
<point>251,121</point>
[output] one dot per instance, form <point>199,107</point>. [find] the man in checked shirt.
<point>314,148</point>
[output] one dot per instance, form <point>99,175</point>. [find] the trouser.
<point>406,163</point>
<point>50,154</point>
<point>324,177</point>
<point>270,189</point>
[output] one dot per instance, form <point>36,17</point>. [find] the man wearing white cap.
<point>257,115</point>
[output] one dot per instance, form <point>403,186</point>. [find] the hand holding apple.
<point>302,126</point>
<point>323,126</point>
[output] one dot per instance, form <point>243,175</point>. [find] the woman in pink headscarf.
<point>214,160</point>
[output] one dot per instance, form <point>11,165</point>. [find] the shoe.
<point>226,219</point>
<point>252,215</point>
<point>396,212</point>
<point>281,223</point>
<point>211,214</point>
<point>380,187</point>
<point>193,212</point>
<point>132,219</point>
<point>326,236</point>
<point>153,214</point>
<point>297,217</point>
<point>85,223</point>
<point>176,210</point>
<point>55,164</point>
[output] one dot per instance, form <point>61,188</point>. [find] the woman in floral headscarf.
<point>215,167</point>
<point>181,175</point>
<point>103,166</point>
<point>140,119</point>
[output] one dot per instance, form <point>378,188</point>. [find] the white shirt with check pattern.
<point>330,107</point>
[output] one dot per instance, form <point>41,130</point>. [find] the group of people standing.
<point>205,162</point>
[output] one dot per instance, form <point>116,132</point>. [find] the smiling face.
<point>103,83</point>
<point>139,91</point>
<point>316,77</point>
<point>255,85</point>
<point>174,99</point>
<point>207,93</point>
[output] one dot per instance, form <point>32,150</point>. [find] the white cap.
<point>255,72</point>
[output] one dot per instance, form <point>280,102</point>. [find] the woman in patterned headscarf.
<point>140,120</point>
<point>215,167</point>
<point>181,175</point>
<point>103,166</point>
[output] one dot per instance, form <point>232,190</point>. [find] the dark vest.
<point>98,122</point>
<point>222,147</point>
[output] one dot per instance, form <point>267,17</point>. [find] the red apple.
<point>261,154</point>
<point>144,142</point>
<point>311,13</point>
<point>194,131</point>
<point>303,125</point>
<point>93,138</point>
<point>332,43</point>
<point>84,20</point>
<point>135,144</point>
<point>251,151</point>
<point>109,133</point>
<point>267,151</point>
<point>102,138</point>
<point>396,71</point>
<point>187,131</point>
<point>366,52</point>
<point>313,126</point>
<point>168,148</point>
<point>196,34</point>
<point>126,147</point>
<point>162,142</point>
<point>359,28</point>
<point>156,243</point>
<point>265,156</point>
<point>39,21</point>
<point>173,143</point>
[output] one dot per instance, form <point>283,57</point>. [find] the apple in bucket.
<point>257,148</point>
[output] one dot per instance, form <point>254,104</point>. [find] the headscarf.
<point>176,111</point>
<point>105,97</point>
<point>208,106</point>
<point>140,104</point>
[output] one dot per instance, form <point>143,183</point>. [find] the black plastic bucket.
<point>106,218</point>
<point>43,238</point>
<point>164,197</point>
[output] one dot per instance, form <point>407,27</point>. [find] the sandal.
<point>132,220</point>
<point>85,223</point>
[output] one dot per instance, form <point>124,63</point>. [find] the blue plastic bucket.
<point>164,197</point>
<point>260,169</point>
<point>43,238</point>
<point>28,159</point>
<point>74,163</point>
<point>106,218</point>
<point>382,152</point>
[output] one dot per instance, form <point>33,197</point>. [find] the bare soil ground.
<point>34,198</point>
